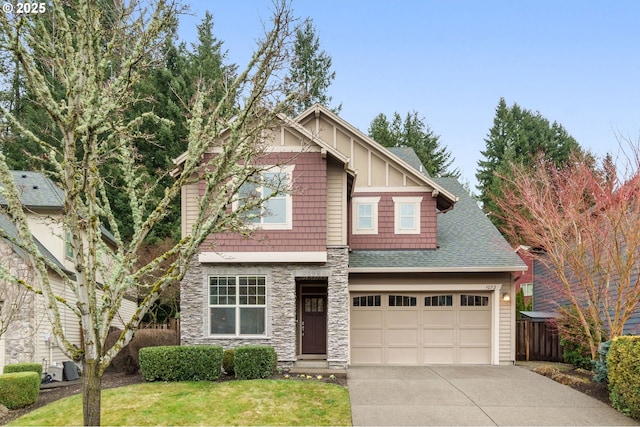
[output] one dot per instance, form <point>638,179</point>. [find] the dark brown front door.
<point>314,324</point>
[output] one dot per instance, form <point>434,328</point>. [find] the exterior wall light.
<point>506,296</point>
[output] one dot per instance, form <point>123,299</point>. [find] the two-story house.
<point>28,337</point>
<point>367,261</point>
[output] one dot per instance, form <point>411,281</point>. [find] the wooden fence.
<point>537,341</point>
<point>172,324</point>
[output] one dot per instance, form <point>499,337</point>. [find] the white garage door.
<point>420,328</point>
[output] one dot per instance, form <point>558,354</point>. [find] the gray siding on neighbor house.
<point>281,326</point>
<point>547,296</point>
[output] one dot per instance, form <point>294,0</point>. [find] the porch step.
<point>316,367</point>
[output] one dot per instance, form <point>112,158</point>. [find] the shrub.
<point>23,367</point>
<point>181,363</point>
<point>254,361</point>
<point>600,366</point>
<point>19,389</point>
<point>228,361</point>
<point>128,360</point>
<point>624,374</point>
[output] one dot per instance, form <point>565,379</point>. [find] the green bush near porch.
<point>181,363</point>
<point>624,374</point>
<point>254,362</point>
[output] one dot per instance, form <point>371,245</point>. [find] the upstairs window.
<point>407,215</point>
<point>527,289</point>
<point>275,213</point>
<point>365,215</point>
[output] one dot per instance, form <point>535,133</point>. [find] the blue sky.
<point>576,62</point>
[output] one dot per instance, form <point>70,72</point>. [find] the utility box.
<point>55,372</point>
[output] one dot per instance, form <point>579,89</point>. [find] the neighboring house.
<point>525,281</point>
<point>28,338</point>
<point>368,261</point>
<point>548,298</point>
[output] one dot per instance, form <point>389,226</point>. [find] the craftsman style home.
<point>367,261</point>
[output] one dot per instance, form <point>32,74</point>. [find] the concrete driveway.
<point>470,395</point>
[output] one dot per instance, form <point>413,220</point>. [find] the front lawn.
<point>256,402</point>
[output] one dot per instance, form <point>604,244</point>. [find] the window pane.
<point>223,320</point>
<point>248,193</point>
<point>275,211</point>
<point>407,223</point>
<point>252,321</point>
<point>365,217</point>
<point>407,216</point>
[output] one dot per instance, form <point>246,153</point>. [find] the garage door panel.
<point>474,336</point>
<point>475,318</point>
<point>407,337</point>
<point>402,356</point>
<point>367,337</point>
<point>366,318</point>
<point>438,355</point>
<point>438,337</point>
<point>475,356</point>
<point>432,317</point>
<point>367,355</point>
<point>401,318</point>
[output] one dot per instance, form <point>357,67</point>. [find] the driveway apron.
<point>470,396</point>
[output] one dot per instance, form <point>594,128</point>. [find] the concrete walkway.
<point>470,395</point>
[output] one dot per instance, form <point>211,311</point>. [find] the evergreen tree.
<point>310,71</point>
<point>518,136</point>
<point>413,132</point>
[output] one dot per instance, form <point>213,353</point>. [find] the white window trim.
<point>357,201</point>
<point>288,225</point>
<point>397,203</point>
<point>237,307</point>
<point>527,289</point>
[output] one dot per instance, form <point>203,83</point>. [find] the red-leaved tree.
<point>586,218</point>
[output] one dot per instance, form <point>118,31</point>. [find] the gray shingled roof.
<point>408,155</point>
<point>467,241</point>
<point>37,191</point>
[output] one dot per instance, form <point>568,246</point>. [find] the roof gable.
<point>375,164</point>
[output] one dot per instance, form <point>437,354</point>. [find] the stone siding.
<point>281,305</point>
<point>20,337</point>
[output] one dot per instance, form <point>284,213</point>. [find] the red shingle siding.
<point>386,237</point>
<point>309,232</point>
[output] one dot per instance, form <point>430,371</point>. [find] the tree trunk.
<point>91,393</point>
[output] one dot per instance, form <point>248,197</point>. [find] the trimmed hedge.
<point>181,363</point>
<point>23,367</point>
<point>254,361</point>
<point>624,374</point>
<point>128,360</point>
<point>19,389</point>
<point>228,360</point>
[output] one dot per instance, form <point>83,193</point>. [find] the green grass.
<point>256,402</point>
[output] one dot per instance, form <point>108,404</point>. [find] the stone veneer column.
<point>20,337</point>
<point>192,302</point>
<point>338,307</point>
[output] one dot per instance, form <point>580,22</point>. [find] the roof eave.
<point>489,269</point>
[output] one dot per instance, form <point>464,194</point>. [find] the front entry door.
<point>314,324</point>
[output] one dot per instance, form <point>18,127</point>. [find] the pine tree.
<point>310,71</point>
<point>518,136</point>
<point>413,132</point>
